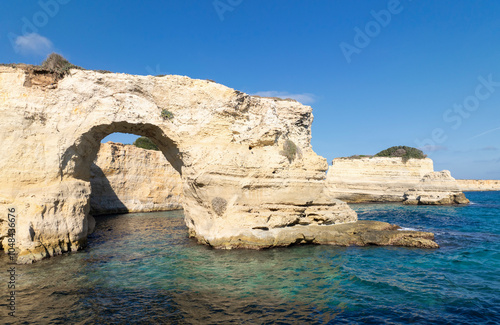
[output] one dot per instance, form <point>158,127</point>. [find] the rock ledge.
<point>360,233</point>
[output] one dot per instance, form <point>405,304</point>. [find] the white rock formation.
<point>225,144</point>
<point>478,185</point>
<point>381,179</point>
<point>125,178</point>
<point>436,188</point>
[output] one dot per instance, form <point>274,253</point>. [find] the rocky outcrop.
<point>240,182</point>
<point>125,178</point>
<point>478,185</point>
<point>381,179</point>
<point>436,188</point>
<point>226,145</point>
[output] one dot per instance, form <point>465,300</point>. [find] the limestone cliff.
<point>125,178</point>
<point>478,185</point>
<point>381,179</point>
<point>249,175</point>
<point>227,146</point>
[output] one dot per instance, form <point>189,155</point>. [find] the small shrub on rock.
<point>55,62</point>
<point>219,205</point>
<point>359,156</point>
<point>290,150</point>
<point>166,115</point>
<point>145,143</point>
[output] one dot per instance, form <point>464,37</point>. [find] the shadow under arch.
<point>105,190</point>
<point>78,158</point>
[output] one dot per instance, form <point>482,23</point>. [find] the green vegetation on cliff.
<point>403,152</point>
<point>54,64</point>
<point>395,152</point>
<point>359,156</point>
<point>145,143</point>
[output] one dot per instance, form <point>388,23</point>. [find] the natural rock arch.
<point>240,190</point>
<point>79,159</point>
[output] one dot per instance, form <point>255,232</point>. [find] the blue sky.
<point>377,73</point>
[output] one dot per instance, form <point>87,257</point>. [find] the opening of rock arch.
<point>130,178</point>
<point>77,159</point>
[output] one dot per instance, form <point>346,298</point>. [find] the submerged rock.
<point>360,233</point>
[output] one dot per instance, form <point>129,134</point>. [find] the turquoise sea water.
<point>142,269</point>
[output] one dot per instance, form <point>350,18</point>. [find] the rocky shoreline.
<point>247,168</point>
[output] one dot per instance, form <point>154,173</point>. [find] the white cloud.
<point>305,98</point>
<point>33,44</point>
<point>433,148</point>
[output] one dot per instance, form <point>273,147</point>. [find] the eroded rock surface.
<point>381,179</point>
<point>436,188</point>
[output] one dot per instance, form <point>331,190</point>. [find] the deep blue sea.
<point>143,269</point>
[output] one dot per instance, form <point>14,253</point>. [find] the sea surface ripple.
<point>143,269</point>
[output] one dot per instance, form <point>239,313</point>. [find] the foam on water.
<point>407,229</point>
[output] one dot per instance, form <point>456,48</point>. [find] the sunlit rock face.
<point>436,188</point>
<point>478,185</point>
<point>125,178</point>
<point>239,182</point>
<point>381,179</point>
